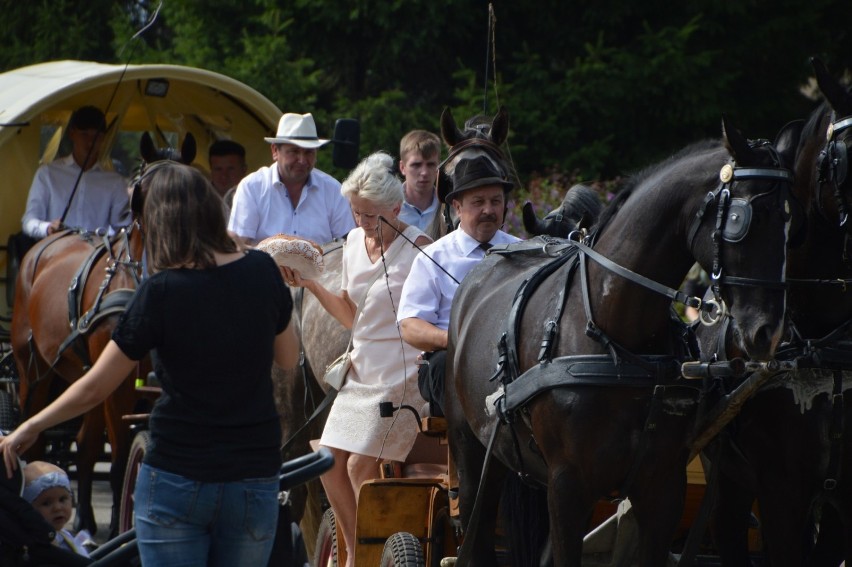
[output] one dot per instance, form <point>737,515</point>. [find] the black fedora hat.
<point>476,172</point>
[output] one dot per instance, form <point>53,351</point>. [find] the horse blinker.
<point>739,220</point>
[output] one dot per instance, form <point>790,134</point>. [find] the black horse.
<point>611,419</point>
<point>790,446</point>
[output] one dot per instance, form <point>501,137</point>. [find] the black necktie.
<point>486,246</point>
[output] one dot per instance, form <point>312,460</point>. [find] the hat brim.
<point>482,182</point>
<point>307,144</point>
<point>295,253</point>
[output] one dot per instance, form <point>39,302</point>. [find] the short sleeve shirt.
<point>428,292</point>
<point>262,208</point>
<point>211,334</point>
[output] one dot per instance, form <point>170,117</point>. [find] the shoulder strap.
<point>388,257</point>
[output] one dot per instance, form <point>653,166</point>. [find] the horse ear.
<point>147,149</point>
<point>532,224</point>
<point>787,141</point>
<point>188,149</point>
<point>833,91</point>
<point>735,142</point>
<point>137,199</point>
<point>500,126</point>
<point>449,131</point>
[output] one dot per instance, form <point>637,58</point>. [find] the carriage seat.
<point>427,459</point>
<point>429,456</point>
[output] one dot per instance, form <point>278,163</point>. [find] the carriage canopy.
<point>168,101</point>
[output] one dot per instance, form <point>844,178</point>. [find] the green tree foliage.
<point>597,89</point>
<point>39,31</point>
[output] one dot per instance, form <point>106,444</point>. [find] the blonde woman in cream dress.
<point>383,365</point>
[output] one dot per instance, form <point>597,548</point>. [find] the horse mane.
<point>478,126</point>
<point>639,178</point>
<point>581,200</point>
<point>811,129</point>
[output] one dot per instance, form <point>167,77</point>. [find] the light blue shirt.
<point>262,208</point>
<point>411,215</point>
<point>428,292</point>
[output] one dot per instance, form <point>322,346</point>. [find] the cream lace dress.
<point>383,365</point>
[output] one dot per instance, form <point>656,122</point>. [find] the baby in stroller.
<point>26,537</point>
<point>48,489</point>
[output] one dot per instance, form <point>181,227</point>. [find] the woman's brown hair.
<point>184,218</point>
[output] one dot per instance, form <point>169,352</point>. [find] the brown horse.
<point>71,288</point>
<point>790,446</point>
<point>590,403</point>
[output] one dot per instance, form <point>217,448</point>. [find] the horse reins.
<point>431,259</point>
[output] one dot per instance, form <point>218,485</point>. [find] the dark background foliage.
<point>595,89</point>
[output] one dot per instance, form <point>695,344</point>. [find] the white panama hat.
<point>299,130</point>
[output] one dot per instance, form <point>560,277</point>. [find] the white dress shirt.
<point>101,200</point>
<point>428,292</point>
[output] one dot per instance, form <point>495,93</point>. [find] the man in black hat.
<point>98,200</point>
<point>479,199</point>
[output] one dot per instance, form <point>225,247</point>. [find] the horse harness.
<point>106,303</point>
<point>833,166</point>
<point>620,367</point>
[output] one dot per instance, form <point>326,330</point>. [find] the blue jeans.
<point>182,522</point>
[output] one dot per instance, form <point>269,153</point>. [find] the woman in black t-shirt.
<point>214,318</point>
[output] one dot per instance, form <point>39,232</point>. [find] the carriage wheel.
<point>8,412</point>
<point>403,550</point>
<point>325,554</point>
<point>134,461</point>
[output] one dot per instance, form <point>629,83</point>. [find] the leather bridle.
<point>833,167</point>
<point>733,220</point>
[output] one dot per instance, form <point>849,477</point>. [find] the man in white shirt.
<point>291,196</point>
<point>419,154</point>
<point>93,197</point>
<point>479,197</point>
